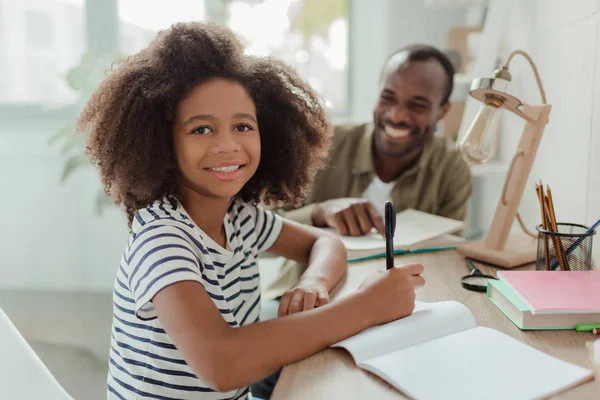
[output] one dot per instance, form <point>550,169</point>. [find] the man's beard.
<point>415,140</point>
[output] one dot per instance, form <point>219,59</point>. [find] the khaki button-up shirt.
<point>439,183</point>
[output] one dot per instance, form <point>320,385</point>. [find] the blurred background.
<point>61,240</point>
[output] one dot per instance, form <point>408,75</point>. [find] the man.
<point>396,157</point>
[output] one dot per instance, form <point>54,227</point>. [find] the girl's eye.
<point>202,130</point>
<point>243,128</point>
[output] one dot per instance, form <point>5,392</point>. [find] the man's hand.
<point>306,295</point>
<point>348,216</point>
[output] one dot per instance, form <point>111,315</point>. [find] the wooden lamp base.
<point>520,249</point>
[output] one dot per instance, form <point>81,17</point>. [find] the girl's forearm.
<point>257,350</point>
<point>327,262</point>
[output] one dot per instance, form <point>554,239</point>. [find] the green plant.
<point>83,79</point>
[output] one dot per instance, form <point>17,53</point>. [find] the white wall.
<point>50,236</point>
<point>562,37</point>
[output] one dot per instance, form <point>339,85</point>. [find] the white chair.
<point>23,376</point>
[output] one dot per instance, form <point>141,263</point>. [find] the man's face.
<point>409,105</point>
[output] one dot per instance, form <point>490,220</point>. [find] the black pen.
<point>390,228</point>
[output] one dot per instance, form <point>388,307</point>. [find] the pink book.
<point>556,292</point>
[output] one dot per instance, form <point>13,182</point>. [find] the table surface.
<point>332,374</point>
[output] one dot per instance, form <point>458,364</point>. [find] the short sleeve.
<point>268,227</point>
<point>159,256</point>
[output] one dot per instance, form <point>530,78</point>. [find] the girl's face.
<point>216,138</point>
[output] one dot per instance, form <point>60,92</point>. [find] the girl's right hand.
<point>390,295</point>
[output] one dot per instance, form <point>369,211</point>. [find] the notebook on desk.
<point>555,292</point>
<point>415,230</point>
<point>519,313</point>
<point>439,243</point>
<point>439,353</point>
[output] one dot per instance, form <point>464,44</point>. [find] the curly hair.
<point>130,116</point>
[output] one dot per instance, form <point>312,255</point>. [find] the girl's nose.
<point>225,142</point>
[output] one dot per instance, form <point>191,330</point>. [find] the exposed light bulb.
<point>478,145</point>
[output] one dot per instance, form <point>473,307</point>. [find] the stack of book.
<point>547,299</point>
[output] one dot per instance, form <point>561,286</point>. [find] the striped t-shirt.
<point>165,247</point>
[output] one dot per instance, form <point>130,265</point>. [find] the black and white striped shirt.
<point>165,246</point>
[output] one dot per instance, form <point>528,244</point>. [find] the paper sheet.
<point>476,364</point>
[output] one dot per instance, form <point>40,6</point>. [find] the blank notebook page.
<point>477,364</point>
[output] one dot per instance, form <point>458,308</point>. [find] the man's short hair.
<point>423,52</point>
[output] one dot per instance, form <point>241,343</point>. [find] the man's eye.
<point>202,130</point>
<point>419,107</point>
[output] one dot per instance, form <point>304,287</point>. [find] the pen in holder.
<point>569,249</point>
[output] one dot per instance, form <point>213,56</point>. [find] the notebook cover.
<point>518,303</point>
<point>548,292</point>
<point>501,287</point>
<point>400,252</point>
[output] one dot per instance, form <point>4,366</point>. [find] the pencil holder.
<point>570,247</point>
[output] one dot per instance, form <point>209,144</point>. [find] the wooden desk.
<point>332,374</point>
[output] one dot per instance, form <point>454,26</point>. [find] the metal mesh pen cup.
<point>573,241</point>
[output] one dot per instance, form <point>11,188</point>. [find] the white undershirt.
<point>378,192</point>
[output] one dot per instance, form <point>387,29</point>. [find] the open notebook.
<point>415,230</point>
<point>439,353</point>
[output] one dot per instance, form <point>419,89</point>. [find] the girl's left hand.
<point>305,296</point>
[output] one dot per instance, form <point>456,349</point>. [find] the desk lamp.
<point>478,145</point>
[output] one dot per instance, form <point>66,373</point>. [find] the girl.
<point>189,135</point>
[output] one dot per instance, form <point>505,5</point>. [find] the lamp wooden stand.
<point>499,247</point>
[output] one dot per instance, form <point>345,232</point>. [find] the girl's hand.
<point>390,295</point>
<point>306,295</point>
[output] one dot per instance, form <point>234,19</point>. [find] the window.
<point>43,41</point>
<point>311,35</point>
<point>39,29</point>
<point>48,40</point>
<point>3,83</point>
<point>137,29</point>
